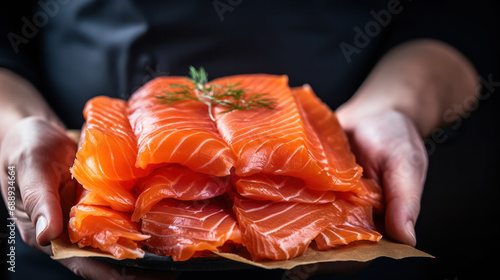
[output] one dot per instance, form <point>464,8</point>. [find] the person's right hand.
<point>40,153</point>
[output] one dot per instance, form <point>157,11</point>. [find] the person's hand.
<point>39,155</point>
<point>403,99</point>
<point>391,151</point>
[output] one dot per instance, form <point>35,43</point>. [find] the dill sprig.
<point>229,96</point>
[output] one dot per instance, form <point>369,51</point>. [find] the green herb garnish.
<point>216,95</point>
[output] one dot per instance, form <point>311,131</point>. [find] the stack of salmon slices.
<point>185,179</point>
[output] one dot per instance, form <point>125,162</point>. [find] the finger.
<point>89,268</point>
<point>403,180</point>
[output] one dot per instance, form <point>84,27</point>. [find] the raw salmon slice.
<point>367,192</point>
<point>91,198</point>
<point>109,145</point>
<point>284,230</point>
<point>106,229</point>
<point>319,118</point>
<point>116,193</point>
<point>280,141</point>
<point>279,188</point>
<point>334,236</point>
<point>280,230</point>
<point>326,125</point>
<point>105,161</point>
<point>181,132</point>
<point>355,223</point>
<point>181,229</point>
<point>179,182</point>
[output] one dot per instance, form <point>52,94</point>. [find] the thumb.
<point>41,154</point>
<point>403,179</point>
<point>39,193</point>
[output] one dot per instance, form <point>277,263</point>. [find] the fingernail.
<point>41,225</point>
<point>410,228</point>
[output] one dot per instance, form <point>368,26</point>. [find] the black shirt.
<point>74,50</point>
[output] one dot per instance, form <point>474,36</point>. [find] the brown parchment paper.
<point>361,251</point>
<point>74,134</point>
<point>358,251</point>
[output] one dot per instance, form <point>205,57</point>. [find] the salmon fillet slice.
<point>106,229</point>
<point>355,223</point>
<point>181,132</point>
<point>105,160</point>
<point>320,119</point>
<point>368,193</point>
<point>109,145</point>
<point>280,141</point>
<point>182,229</point>
<point>179,182</point>
<point>284,230</point>
<point>279,188</point>
<point>280,230</point>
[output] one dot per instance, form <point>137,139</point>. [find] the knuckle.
<point>31,198</point>
<point>35,197</point>
<point>410,201</point>
<point>36,151</point>
<point>407,158</point>
<point>413,201</point>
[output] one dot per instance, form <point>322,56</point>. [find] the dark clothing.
<point>74,50</point>
<point>89,48</point>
